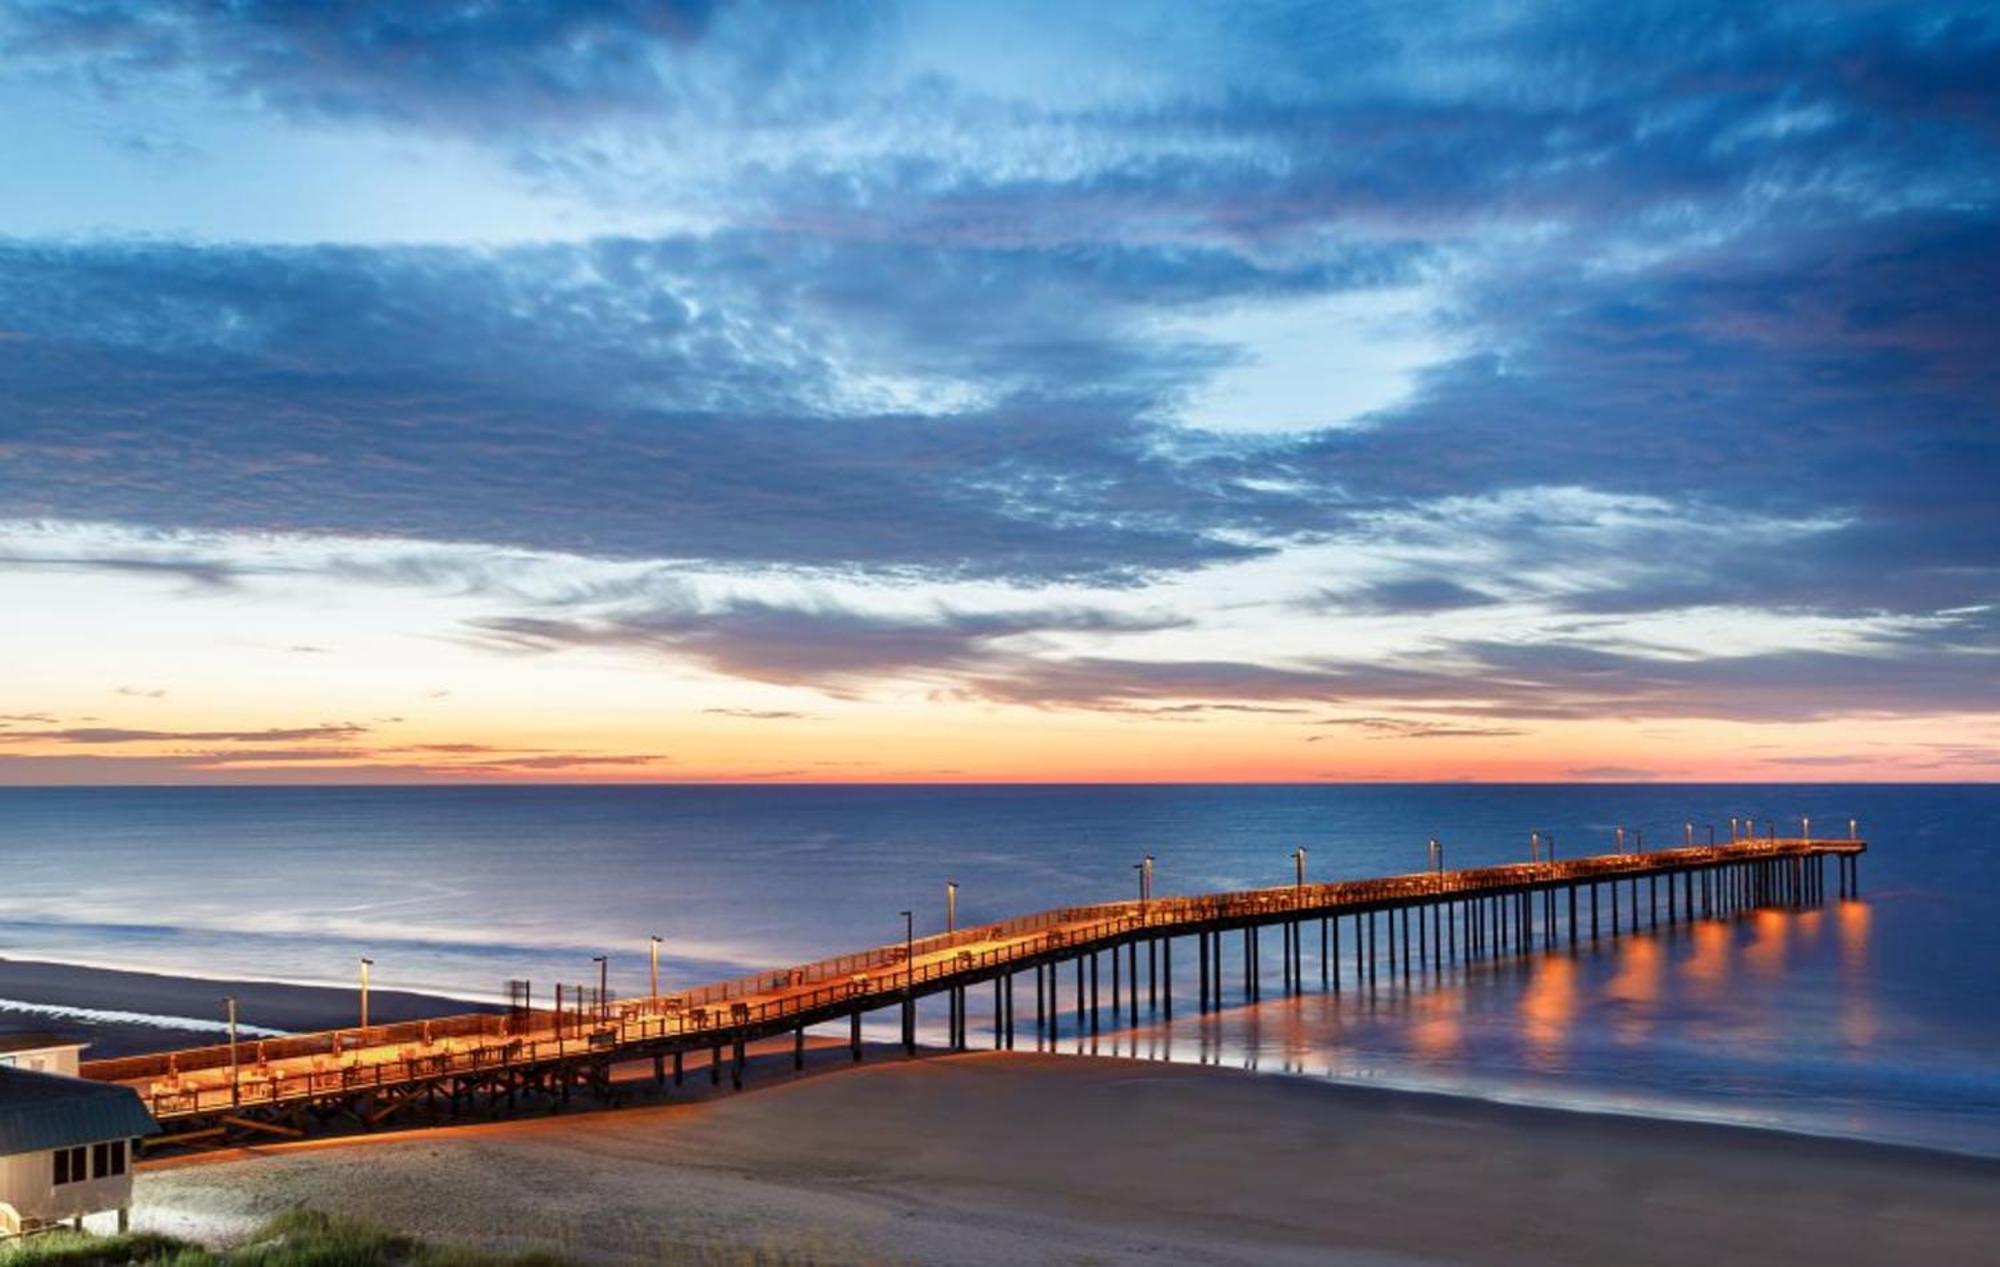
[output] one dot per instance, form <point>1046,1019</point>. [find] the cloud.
<point>1414,595</point>
<point>579,389</point>
<point>1411,728</point>
<point>758,714</point>
<point>826,646</point>
<point>477,69</point>
<point>140,692</point>
<point>1717,287</point>
<point>124,735</point>
<point>203,575</point>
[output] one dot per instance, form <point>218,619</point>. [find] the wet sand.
<point>259,1003</point>
<point>991,1159</point>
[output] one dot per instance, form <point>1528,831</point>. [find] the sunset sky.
<point>827,392</point>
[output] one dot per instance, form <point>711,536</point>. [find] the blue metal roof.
<point>41,1111</point>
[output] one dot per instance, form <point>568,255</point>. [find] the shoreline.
<point>986,1158</point>
<point>122,1012</point>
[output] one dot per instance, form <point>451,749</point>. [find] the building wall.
<point>27,1184</point>
<point>63,1060</point>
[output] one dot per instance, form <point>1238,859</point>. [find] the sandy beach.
<point>86,995</point>
<point>990,1159</point>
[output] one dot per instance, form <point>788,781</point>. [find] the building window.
<point>70,1165</point>
<point>107,1159</point>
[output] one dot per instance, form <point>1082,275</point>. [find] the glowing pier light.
<point>366,964</point>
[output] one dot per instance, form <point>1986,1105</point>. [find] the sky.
<point>974,391</point>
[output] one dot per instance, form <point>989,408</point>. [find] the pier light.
<point>1534,846</point>
<point>1621,840</point>
<point>1299,868</point>
<point>1689,829</point>
<point>366,964</point>
<point>1805,827</point>
<point>603,963</point>
<point>1437,855</point>
<point>653,979</point>
<point>229,1003</point>
<point>1732,827</point>
<point>1853,830</point>
<point>951,906</point>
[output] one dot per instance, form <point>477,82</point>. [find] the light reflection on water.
<point>1682,1021</point>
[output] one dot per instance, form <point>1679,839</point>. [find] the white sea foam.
<point>109,1016</point>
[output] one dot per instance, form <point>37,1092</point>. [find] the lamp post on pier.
<point>235,1092</point>
<point>1621,840</point>
<point>909,950</point>
<point>1437,855</point>
<point>1534,846</point>
<point>653,977</point>
<point>366,964</point>
<point>1853,830</point>
<point>1688,828</point>
<point>603,963</point>
<point>1299,876</point>
<point>1805,827</point>
<point>951,906</point>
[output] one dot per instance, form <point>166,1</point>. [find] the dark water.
<point>1878,1018</point>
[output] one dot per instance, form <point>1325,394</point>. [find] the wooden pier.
<point>1404,928</point>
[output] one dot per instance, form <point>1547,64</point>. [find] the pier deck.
<point>301,1084</point>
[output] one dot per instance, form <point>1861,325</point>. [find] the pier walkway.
<point>1402,927</point>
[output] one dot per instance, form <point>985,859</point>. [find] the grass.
<point>309,1238</point>
<point>299,1238</point>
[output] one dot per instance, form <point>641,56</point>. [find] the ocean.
<point>1878,1018</point>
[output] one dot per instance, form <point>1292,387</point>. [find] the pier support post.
<point>677,1065</point>
<point>909,1027</point>
<point>1167,975</point>
<point>1116,1005</point>
<point>1132,981</point>
<point>1332,965</point>
<point>799,1048</point>
<point>1153,974</point>
<point>1094,957</point>
<point>1371,951</point>
<point>853,1038</point>
<point>1082,1017</point>
<point>1201,986</point>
